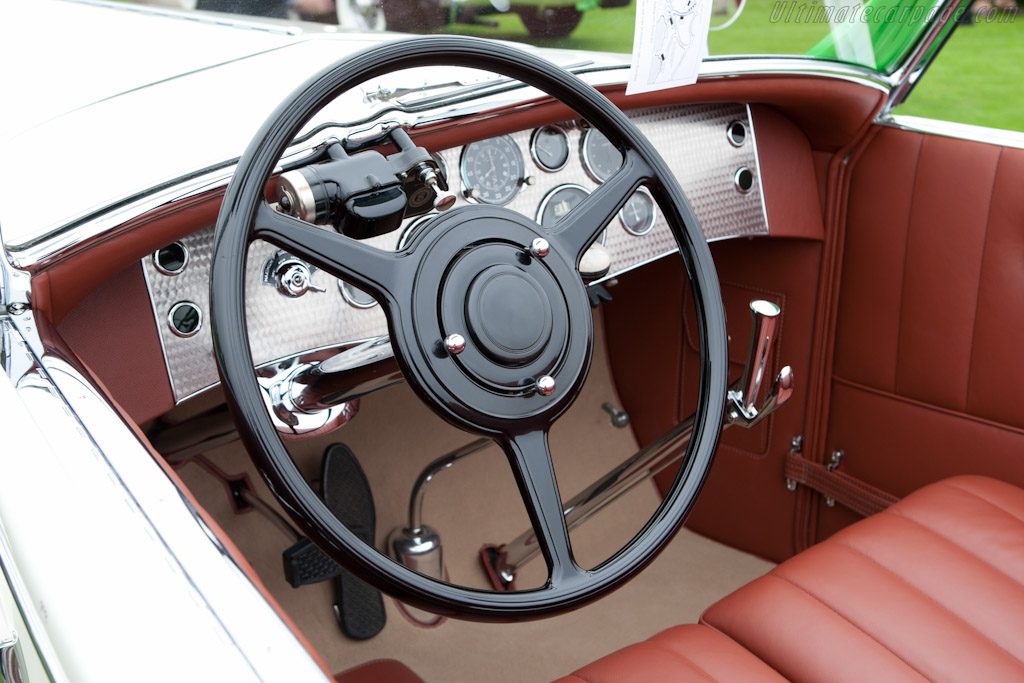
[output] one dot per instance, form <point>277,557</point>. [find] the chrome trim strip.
<point>960,131</point>
<point>156,318</point>
<point>37,635</point>
<point>752,136</point>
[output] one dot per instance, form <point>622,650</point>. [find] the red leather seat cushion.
<point>377,671</point>
<point>932,588</point>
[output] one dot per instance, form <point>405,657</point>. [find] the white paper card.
<point>670,40</point>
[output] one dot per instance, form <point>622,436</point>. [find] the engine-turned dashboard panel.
<point>541,173</point>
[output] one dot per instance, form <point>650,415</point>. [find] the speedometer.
<point>492,170</point>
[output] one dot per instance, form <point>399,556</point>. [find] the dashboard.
<point>541,173</point>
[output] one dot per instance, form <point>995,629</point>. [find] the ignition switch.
<point>291,276</point>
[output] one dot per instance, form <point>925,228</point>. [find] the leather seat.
<point>930,589</point>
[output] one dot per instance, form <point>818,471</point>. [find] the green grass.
<point>976,78</point>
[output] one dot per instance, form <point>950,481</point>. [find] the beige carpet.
<point>477,502</point>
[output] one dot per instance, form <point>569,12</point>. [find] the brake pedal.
<point>346,492</point>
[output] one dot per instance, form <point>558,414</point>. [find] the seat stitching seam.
<point>680,655</point>
<point>981,269</point>
<point>955,545</point>
<point>929,598</point>
<point>903,271</point>
<point>704,622</point>
<point>988,502</point>
<point>848,621</point>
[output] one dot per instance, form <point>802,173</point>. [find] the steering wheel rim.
<point>246,216</point>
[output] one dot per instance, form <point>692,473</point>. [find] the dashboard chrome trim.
<point>51,244</point>
<point>693,142</point>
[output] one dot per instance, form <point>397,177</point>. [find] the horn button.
<point>522,319</point>
<point>514,310</point>
<point>508,315</point>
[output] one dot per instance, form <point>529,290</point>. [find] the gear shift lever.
<point>743,394</point>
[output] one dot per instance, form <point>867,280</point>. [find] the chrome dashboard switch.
<point>291,276</point>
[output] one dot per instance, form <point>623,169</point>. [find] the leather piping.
<point>822,356</point>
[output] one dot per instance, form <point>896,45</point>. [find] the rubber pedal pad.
<point>346,492</point>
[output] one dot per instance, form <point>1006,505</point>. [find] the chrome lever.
<point>744,392</point>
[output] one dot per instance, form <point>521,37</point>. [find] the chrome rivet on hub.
<point>546,385</point>
<point>455,343</point>
<point>540,247</point>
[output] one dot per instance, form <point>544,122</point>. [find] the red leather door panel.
<point>928,371</point>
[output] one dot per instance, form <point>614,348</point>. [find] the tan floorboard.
<point>477,502</point>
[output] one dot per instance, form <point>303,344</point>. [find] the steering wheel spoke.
<point>369,268</point>
<point>577,231</point>
<point>530,457</point>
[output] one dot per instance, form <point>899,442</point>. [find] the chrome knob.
<point>455,343</point>
<point>546,385</point>
<point>295,279</point>
<point>540,247</point>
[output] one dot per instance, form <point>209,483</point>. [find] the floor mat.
<point>473,503</point>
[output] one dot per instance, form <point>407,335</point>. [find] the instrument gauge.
<point>492,170</point>
<point>549,148</point>
<point>639,213</point>
<point>559,202</point>
<point>600,157</point>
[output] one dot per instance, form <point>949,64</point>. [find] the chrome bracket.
<point>833,465</point>
<point>795,446</point>
<point>306,394</point>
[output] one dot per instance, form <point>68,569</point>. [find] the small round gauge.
<point>559,202</point>
<point>413,227</point>
<point>355,297</point>
<point>492,170</point>
<point>600,157</point>
<point>639,213</point>
<point>549,148</point>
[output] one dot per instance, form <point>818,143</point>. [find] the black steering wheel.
<point>522,310</point>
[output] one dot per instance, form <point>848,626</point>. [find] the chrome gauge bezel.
<point>170,319</point>
<point>470,192</point>
<point>650,222</point>
<point>347,294</point>
<point>588,166</point>
<point>172,271</point>
<point>535,135</point>
<point>555,190</point>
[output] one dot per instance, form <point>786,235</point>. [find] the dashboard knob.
<point>294,279</point>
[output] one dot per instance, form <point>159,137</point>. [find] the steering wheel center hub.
<point>508,315</point>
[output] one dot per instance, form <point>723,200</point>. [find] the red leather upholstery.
<point>930,589</point>
<point>378,671</point>
<point>931,308</point>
